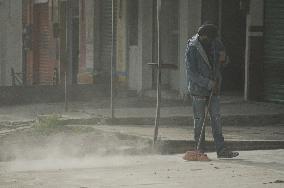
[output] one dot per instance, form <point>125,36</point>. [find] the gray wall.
<point>10,39</point>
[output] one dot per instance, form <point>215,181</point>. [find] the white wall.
<point>10,39</point>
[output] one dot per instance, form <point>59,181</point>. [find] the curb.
<point>230,120</point>
<point>181,146</point>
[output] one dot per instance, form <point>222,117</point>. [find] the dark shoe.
<point>225,153</point>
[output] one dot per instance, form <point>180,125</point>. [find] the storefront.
<point>273,51</point>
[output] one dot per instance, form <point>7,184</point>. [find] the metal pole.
<point>65,92</point>
<point>157,118</point>
<point>247,58</point>
<point>112,57</point>
<point>24,68</point>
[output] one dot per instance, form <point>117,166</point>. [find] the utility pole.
<point>157,118</point>
<point>112,60</point>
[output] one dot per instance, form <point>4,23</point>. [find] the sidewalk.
<point>249,124</point>
<point>178,139</point>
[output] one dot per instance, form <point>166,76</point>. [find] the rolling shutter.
<point>274,51</point>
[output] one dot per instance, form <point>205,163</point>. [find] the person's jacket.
<point>200,72</point>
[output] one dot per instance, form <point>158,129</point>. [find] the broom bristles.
<point>195,156</point>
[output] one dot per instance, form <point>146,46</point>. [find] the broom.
<point>196,155</point>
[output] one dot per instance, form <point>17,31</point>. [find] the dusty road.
<point>252,169</point>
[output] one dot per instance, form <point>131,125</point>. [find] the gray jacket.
<point>200,72</point>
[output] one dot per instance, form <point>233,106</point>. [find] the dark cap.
<point>209,30</point>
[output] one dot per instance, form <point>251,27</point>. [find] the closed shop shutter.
<point>274,51</point>
<point>106,34</point>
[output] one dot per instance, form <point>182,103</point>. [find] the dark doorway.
<point>72,25</point>
<point>69,40</point>
<point>233,32</point>
<point>75,49</point>
<point>210,11</point>
<point>63,41</point>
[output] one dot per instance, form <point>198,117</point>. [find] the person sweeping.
<point>205,55</point>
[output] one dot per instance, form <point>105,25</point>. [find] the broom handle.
<point>203,124</point>
<point>209,104</point>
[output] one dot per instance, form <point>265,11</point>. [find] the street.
<point>251,169</point>
<point>112,93</point>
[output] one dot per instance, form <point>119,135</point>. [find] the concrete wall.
<point>10,39</point>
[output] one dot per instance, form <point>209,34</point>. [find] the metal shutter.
<point>274,51</point>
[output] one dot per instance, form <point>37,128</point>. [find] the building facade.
<point>10,40</point>
<point>48,39</point>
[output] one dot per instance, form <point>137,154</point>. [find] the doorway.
<point>233,32</point>
<point>69,40</point>
<point>231,21</point>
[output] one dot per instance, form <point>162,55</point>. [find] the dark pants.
<point>199,106</point>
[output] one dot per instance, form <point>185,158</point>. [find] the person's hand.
<point>215,88</point>
<point>222,57</point>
